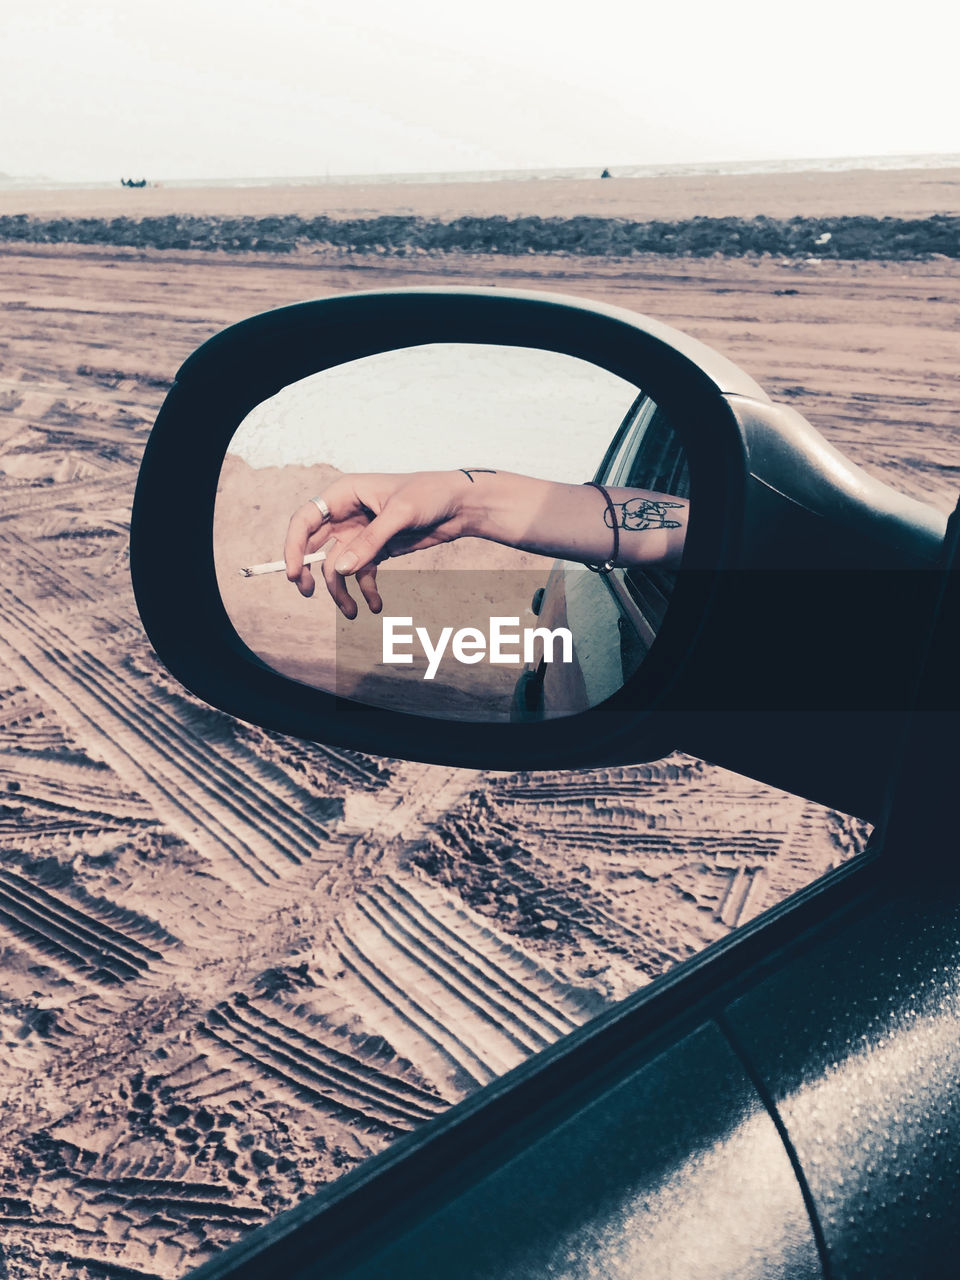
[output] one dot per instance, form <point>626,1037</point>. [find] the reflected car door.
<point>614,617</point>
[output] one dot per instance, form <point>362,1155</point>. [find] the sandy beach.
<point>208,1010</point>
<point>905,193</point>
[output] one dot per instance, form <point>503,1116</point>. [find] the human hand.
<point>372,517</point>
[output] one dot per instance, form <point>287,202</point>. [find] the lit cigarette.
<point>275,566</point>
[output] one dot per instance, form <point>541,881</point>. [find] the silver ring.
<point>321,507</point>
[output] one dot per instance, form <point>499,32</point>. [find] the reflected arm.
<point>374,517</point>
<point>573,521</point>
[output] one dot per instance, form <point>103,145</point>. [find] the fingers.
<point>304,523</point>
<point>363,537</point>
<point>337,587</point>
<point>306,583</point>
<point>308,531</point>
<point>367,582</point>
<point>364,550</point>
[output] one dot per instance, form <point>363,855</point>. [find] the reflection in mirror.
<point>454,475</point>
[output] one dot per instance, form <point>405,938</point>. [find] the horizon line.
<point>545,172</point>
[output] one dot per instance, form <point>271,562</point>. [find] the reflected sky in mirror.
<point>441,406</point>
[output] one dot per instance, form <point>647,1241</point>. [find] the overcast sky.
<point>210,88</point>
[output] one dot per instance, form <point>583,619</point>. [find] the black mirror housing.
<point>768,496</point>
<point>171,548</point>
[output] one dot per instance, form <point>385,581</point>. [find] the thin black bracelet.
<point>612,562</point>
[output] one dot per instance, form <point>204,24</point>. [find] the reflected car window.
<point>650,456</point>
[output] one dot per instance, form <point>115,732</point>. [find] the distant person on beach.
<point>364,519</point>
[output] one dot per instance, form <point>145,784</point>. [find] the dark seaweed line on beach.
<point>841,237</point>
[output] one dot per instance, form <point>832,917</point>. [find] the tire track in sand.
<point>57,928</point>
<point>445,988</point>
<point>215,803</point>
<point>86,495</point>
<point>287,1050</point>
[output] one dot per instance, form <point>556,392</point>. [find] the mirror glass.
<point>489,612</point>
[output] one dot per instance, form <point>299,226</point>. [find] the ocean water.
<point>835,164</point>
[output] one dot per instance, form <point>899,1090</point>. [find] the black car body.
<point>786,1103</point>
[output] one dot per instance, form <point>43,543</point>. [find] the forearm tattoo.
<point>480,471</point>
<point>638,514</point>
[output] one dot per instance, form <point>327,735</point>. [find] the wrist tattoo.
<point>639,514</point>
<point>480,471</point>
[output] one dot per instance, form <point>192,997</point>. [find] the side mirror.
<point>784,538</point>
